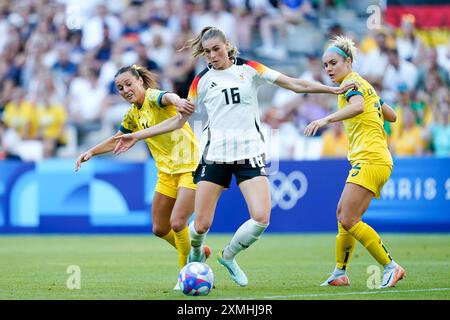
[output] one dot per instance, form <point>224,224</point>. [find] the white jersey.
<point>230,98</point>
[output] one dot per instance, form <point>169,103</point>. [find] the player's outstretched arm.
<point>183,106</point>
<point>127,141</point>
<point>388,113</point>
<point>306,86</point>
<point>354,108</point>
<point>103,147</point>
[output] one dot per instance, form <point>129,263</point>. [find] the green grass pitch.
<point>278,267</point>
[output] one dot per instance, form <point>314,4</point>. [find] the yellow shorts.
<point>168,184</point>
<point>370,176</point>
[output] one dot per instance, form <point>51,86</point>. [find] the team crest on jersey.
<point>241,77</point>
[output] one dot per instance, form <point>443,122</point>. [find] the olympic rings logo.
<point>287,190</point>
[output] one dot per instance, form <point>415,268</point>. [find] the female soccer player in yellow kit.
<point>175,153</point>
<point>363,113</point>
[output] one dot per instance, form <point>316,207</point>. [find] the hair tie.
<point>136,67</point>
<point>338,51</point>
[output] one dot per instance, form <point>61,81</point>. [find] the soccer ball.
<point>196,279</point>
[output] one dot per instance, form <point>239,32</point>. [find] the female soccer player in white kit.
<point>234,144</point>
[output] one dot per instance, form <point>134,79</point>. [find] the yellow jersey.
<point>408,142</point>
<point>22,118</point>
<point>174,152</point>
<point>366,136</point>
<point>334,147</point>
<point>51,121</point>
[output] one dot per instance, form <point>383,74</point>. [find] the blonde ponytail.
<point>207,33</point>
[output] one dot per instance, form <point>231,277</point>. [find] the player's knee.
<point>177,224</point>
<point>347,223</point>
<point>159,232</point>
<point>202,226</point>
<point>262,217</point>
<point>338,213</point>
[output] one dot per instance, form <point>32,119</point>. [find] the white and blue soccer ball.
<point>196,279</point>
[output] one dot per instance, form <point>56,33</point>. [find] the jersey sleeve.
<point>154,97</point>
<point>263,73</point>
<point>195,95</point>
<point>128,124</point>
<point>351,92</point>
<point>193,90</point>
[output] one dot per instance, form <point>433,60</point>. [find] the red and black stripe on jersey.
<point>194,84</point>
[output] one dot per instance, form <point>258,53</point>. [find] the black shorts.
<point>222,173</point>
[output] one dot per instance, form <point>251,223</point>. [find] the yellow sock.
<point>183,245</point>
<point>370,239</point>
<point>345,244</point>
<point>170,238</point>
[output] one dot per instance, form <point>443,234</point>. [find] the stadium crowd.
<point>58,59</point>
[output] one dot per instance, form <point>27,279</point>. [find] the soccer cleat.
<point>205,255</point>
<point>235,271</point>
<point>336,281</point>
<point>392,276</point>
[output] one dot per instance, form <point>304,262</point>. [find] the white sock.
<point>245,236</point>
<point>197,239</point>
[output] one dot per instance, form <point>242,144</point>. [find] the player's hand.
<point>82,158</point>
<point>185,106</point>
<point>345,87</point>
<point>315,125</point>
<point>124,143</point>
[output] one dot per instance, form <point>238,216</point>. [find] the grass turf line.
<point>278,267</point>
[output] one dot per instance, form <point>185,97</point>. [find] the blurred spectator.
<point>410,46</point>
<point>4,27</point>
<point>181,70</point>
<point>156,28</point>
<point>20,114</point>
<point>215,15</point>
<point>404,101</point>
<point>290,13</point>
<point>86,101</point>
<point>313,106</point>
<point>82,44</point>
<point>335,143</point>
<point>110,67</point>
<point>281,133</point>
<point>9,139</point>
<point>144,58</point>
<point>409,141</point>
<point>93,30</point>
<point>374,48</point>
<point>398,73</point>
<point>77,51</point>
<point>10,66</point>
<point>51,117</point>
<point>102,53</point>
<point>248,14</point>
<point>443,52</point>
<point>64,69</point>
<point>439,131</point>
<point>431,65</point>
<point>131,25</point>
<point>158,41</point>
